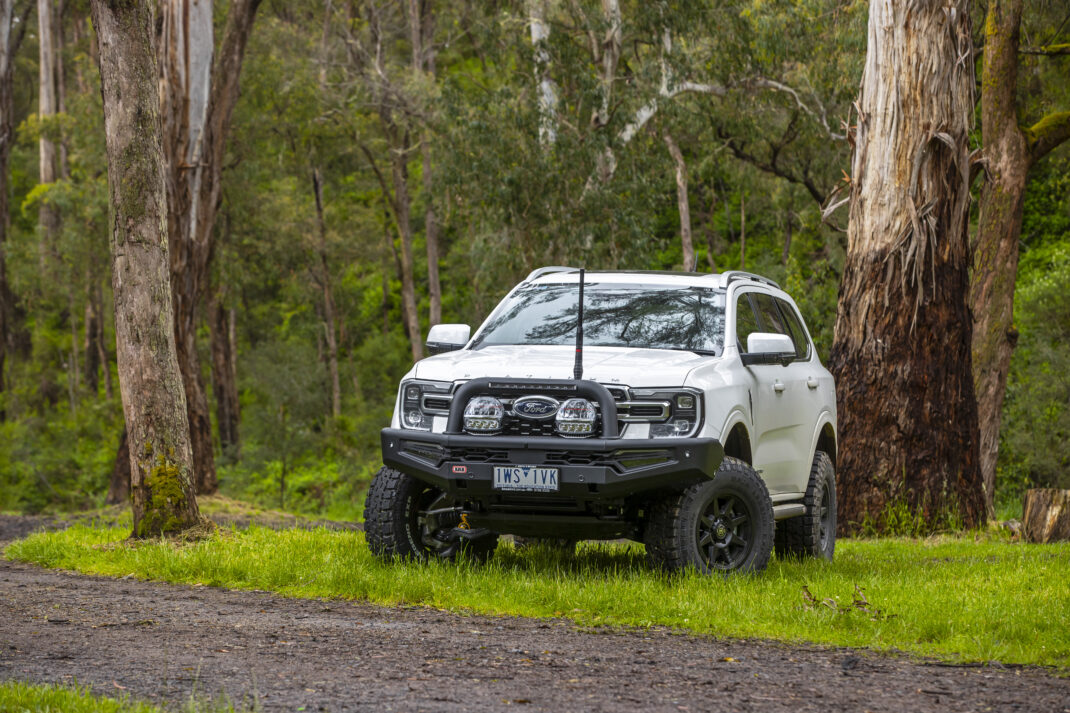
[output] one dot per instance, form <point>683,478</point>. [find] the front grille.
<point>619,461</point>
<point>526,427</point>
<point>480,455</point>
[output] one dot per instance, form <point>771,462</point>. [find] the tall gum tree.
<point>154,402</point>
<point>11,34</point>
<point>1009,152</point>
<point>198,91</point>
<point>901,354</point>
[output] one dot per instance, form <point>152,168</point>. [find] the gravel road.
<point>162,642</point>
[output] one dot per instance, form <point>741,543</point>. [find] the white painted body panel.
<point>783,425</point>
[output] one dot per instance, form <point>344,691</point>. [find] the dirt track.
<point>160,642</point>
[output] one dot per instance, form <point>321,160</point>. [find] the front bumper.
<point>589,469</point>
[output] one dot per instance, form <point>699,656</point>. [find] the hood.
<point>607,365</point>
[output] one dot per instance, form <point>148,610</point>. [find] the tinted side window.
<point>769,314</point>
<point>798,334</point>
<point>746,322</point>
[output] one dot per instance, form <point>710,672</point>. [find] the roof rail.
<point>548,270</point>
<point>733,275</point>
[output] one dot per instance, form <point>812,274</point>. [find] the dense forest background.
<point>373,185</point>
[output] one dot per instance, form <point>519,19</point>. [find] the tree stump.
<point>1046,515</point>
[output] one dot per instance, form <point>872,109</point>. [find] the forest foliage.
<point>758,96</point>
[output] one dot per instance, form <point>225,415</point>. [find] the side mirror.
<point>768,348</point>
<point>447,338</point>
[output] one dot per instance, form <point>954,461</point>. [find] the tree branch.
<point>24,16</point>
<point>1047,50</point>
<point>821,117</point>
<point>739,150</point>
<point>388,195</point>
<point>1047,134</point>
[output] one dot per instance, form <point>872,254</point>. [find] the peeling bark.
<point>901,355</point>
<point>161,459</point>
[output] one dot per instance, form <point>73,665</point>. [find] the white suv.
<point>686,411</point>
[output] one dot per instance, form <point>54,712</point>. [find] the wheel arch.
<point>736,440</point>
<point>825,438</point>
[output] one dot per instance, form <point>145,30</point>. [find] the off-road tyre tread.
<point>666,538</point>
<point>386,522</point>
<point>384,515</point>
<point>799,537</point>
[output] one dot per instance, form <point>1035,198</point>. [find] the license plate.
<point>525,477</point>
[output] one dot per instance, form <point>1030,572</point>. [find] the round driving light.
<point>483,414</point>
<point>414,419</point>
<point>576,418</point>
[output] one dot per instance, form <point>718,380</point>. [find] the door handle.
<point>812,383</point>
<point>778,386</point>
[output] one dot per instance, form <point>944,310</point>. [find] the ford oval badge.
<point>535,407</point>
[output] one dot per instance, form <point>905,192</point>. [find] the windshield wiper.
<point>700,352</point>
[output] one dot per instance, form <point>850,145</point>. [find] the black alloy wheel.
<point>721,525</point>
<point>725,534</point>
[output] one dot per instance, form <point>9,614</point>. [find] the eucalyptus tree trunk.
<point>1009,153</point>
<point>682,202</point>
<point>224,377</point>
<point>547,93</point>
<point>421,35</point>
<point>10,39</point>
<point>901,355</point>
<point>330,331</point>
<point>47,215</point>
<point>161,460</point>
<point>198,91</point>
<point>742,231</point>
<point>399,173</point>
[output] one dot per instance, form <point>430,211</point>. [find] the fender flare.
<point>825,418</point>
<point>737,416</point>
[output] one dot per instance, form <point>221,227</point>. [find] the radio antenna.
<point>577,371</point>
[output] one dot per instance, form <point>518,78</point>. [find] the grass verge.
<point>18,697</point>
<point>955,598</point>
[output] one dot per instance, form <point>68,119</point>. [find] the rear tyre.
<point>812,534</point>
<point>721,525</point>
<point>405,518</point>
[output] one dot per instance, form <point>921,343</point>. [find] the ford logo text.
<point>535,407</point>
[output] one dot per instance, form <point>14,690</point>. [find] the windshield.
<point>614,315</point>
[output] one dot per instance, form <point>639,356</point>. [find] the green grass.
<point>956,598</point>
<point>17,697</point>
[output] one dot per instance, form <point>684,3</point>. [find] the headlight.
<point>576,417</point>
<point>483,414</point>
<point>421,401</point>
<point>675,413</point>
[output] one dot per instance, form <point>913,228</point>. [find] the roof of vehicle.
<point>550,275</point>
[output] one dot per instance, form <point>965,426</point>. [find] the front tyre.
<point>408,519</point>
<point>721,525</point>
